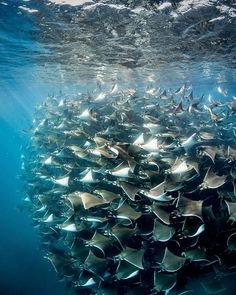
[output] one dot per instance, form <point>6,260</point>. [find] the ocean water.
<point>67,47</point>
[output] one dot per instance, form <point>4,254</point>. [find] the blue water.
<point>23,270</point>
<point>36,61</point>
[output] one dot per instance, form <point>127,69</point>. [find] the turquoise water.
<point>47,48</point>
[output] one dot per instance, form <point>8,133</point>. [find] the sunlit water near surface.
<point>50,47</point>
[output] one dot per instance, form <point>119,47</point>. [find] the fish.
<point>152,90</point>
<point>71,228</point>
<point>95,265</point>
<point>232,105</point>
<point>231,152</point>
<point>162,212</point>
<point>180,90</point>
<point>189,207</point>
<point>74,199</point>
<point>89,177</point>
<point>164,95</point>
<point>122,234</point>
<point>86,280</point>
<point>222,91</point>
<point>164,281</point>
<point>231,211</point>
<point>213,286</point>
<point>126,212</point>
<point>196,254</point>
<point>189,143</point>
<point>162,232</point>
<point>133,256</point>
<point>212,180</point>
<point>100,242</point>
<point>123,172</point>
<point>62,181</point>
<point>91,200</point>
<point>210,152</point>
<point>192,227</point>
<point>59,261</point>
<point>156,192</point>
<point>131,188</point>
<point>231,242</point>
<point>171,262</point>
<point>180,166</point>
<point>126,270</point>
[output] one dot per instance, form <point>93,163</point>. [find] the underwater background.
<point>48,48</point>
